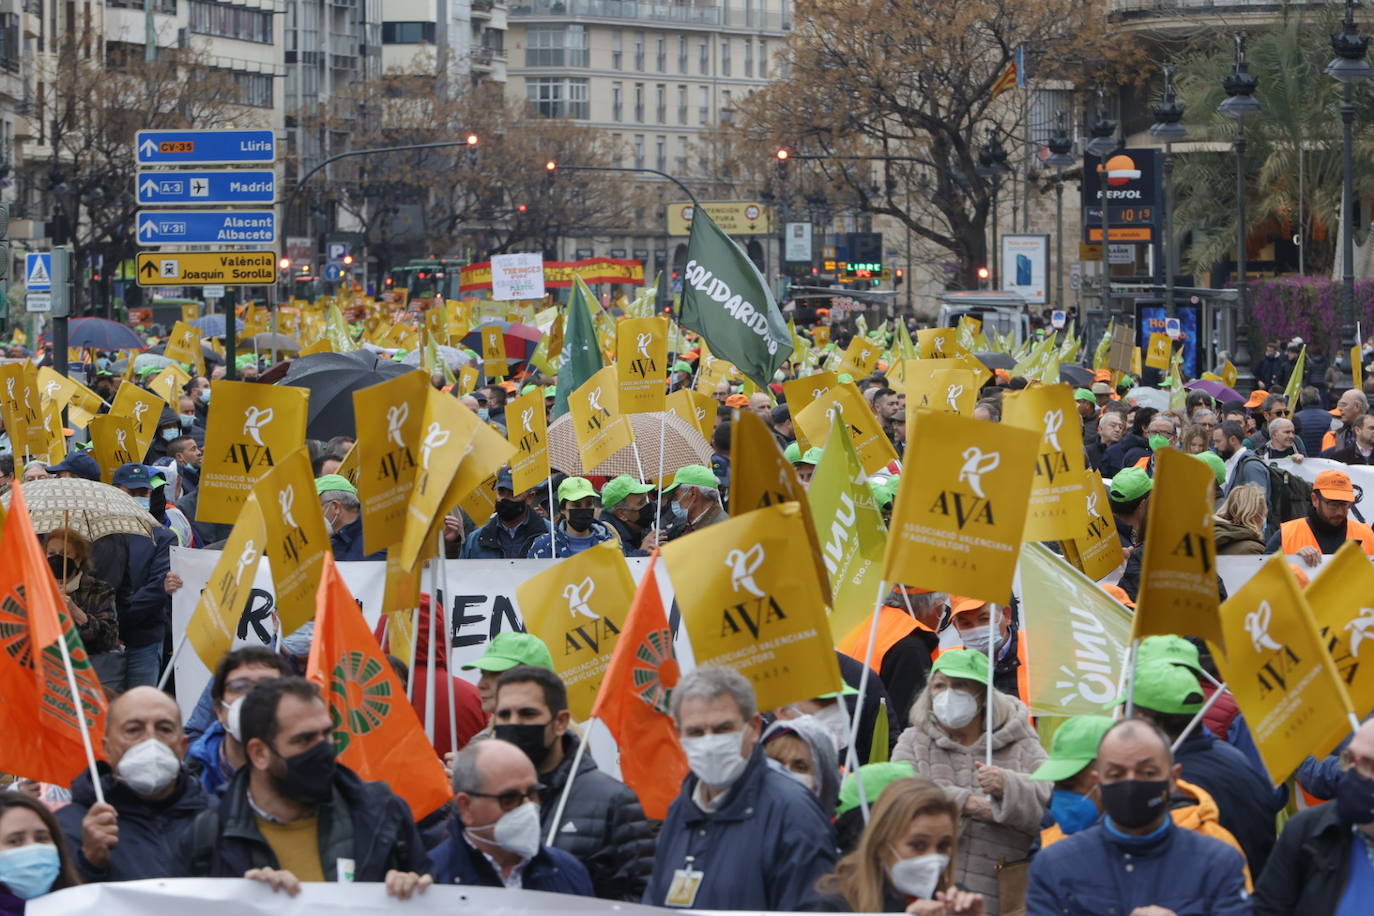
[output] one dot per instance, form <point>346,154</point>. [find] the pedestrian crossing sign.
<point>38,271</point>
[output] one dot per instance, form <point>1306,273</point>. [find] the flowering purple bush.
<point>1308,307</point>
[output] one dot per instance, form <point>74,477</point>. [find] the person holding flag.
<point>513,527</point>
<point>626,507</point>
<point>344,519</point>
<point>577,529</point>
<point>694,498</point>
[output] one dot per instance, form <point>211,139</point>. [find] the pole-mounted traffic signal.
<point>783,156</point>
<point>983,275</point>
<point>898,276</point>
<point>472,140</point>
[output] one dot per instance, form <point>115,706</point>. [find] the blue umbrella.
<point>103,334</point>
<point>213,325</point>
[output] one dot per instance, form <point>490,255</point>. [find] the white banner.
<point>517,276</point>
<point>1362,476</point>
<point>237,897</point>
<point>483,605</point>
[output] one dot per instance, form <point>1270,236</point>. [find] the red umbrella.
<point>520,339</point>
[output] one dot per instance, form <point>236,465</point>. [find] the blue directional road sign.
<point>205,147</point>
<point>38,271</point>
<point>207,187</point>
<point>333,271</point>
<point>207,227</point>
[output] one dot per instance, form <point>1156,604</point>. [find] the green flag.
<point>726,300</point>
<point>1290,390</point>
<point>581,352</point>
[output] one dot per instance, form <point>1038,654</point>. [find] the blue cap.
<point>78,464</point>
<point>504,480</point>
<point>133,476</point>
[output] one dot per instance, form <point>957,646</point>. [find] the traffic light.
<point>783,155</point>
<point>983,275</point>
<point>550,172</point>
<point>898,276</point>
<point>521,208</point>
<point>348,260</point>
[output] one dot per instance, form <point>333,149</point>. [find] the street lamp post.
<point>1060,158</point>
<point>1168,113</point>
<point>1348,68</point>
<point>1240,101</point>
<point>992,164</point>
<point>1102,145</point>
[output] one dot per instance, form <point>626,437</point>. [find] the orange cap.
<point>958,604</point>
<point>1119,594</point>
<point>1334,485</point>
<point>1102,375</point>
<point>1256,398</point>
<point>737,400</point>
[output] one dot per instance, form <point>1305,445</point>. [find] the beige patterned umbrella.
<point>91,508</point>
<point>683,444</point>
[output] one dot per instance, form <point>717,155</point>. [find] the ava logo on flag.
<point>121,440</point>
<point>1361,628</point>
<point>140,408</point>
<point>1054,419</point>
<point>395,418</point>
<point>286,499</point>
<point>578,594</point>
<point>952,395</point>
<point>246,559</point>
<point>642,342</point>
<point>435,437</point>
<point>527,419</point>
<point>360,697</point>
<point>742,565</point>
<point>254,419</point>
<point>976,464</point>
<point>1257,625</point>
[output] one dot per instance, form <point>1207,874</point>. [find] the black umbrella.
<point>332,378</point>
<point>996,360</point>
<point>1076,376</point>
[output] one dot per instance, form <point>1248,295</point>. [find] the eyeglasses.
<point>513,799</point>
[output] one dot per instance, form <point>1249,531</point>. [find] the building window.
<point>639,151</point>
<point>682,104</point>
<point>617,101</point>
<point>661,103</point>
<point>224,21</point>
<point>254,90</point>
<point>617,55</point>
<point>725,57</point>
<point>407,33</point>
<point>661,54</point>
<point>617,150</point>
<point>703,105</point>
<point>639,51</point>
<point>727,107</point>
<point>704,64</point>
<point>639,102</point>
<point>552,97</point>
<point>763,59</point>
<point>748,57</point>
<point>661,154</point>
<point>748,12</point>
<point>682,54</point>
<point>681,155</point>
<point>555,46</point>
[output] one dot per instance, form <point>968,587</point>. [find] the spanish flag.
<point>1006,81</point>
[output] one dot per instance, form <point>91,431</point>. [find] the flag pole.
<point>1211,701</point>
<point>414,650</point>
<point>429,649</point>
<point>567,786</point>
<point>1130,677</point>
<point>172,662</point>
<point>851,759</point>
<point>442,603</point>
<point>662,434</point>
<point>80,710</point>
<point>553,518</point>
<point>994,612</point>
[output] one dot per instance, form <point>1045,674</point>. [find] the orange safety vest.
<point>1297,534</point>
<point>894,625</point>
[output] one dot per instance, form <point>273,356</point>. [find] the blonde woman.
<point>1240,522</point>
<point>904,862</point>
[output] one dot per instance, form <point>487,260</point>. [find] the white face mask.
<point>516,831</point>
<point>148,767</point>
<point>715,759</point>
<point>231,719</point>
<point>833,719</point>
<point>954,708</point>
<point>918,876</point>
<point>806,779</point>
<point>977,639</point>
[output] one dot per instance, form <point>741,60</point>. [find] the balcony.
<point>484,9</point>
<point>1167,15</point>
<point>639,10</point>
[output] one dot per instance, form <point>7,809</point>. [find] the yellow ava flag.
<point>937,343</point>
<point>1157,357</point>
<point>183,346</point>
<point>445,431</point>
<point>949,390</point>
<point>1098,551</point>
<point>142,407</point>
<point>1275,665</point>
<point>860,357</point>
<point>494,362</point>
<point>750,607</point>
<point>1340,597</point>
<point>388,456</point>
<point>694,407</point>
<point>81,402</point>
<point>112,443</point>
<point>1178,578</point>
<point>251,427</point>
<point>169,384</point>
<point>20,412</point>
<point>528,433</point>
<point>600,427</point>
<point>213,624</point>
<point>474,485</point>
<point>874,448</point>
<point>468,377</point>
<point>641,360</point>
<point>760,475</point>
<point>1057,500</point>
<point>578,607</point>
<point>56,441</point>
<point>799,393</point>
<point>961,506</point>
<point>297,539</point>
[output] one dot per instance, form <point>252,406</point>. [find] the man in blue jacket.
<point>495,839</point>
<point>1135,860</point>
<point>512,528</point>
<point>740,835</point>
<point>141,601</point>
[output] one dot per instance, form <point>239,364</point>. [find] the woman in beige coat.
<point>1000,806</point>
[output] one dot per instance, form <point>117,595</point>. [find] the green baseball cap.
<point>1129,484</point>
<point>528,388</point>
<point>968,664</point>
<point>334,482</point>
<point>550,391</point>
<point>792,453</point>
<point>1073,747</point>
<point>507,650</point>
<point>882,495</point>
<point>876,777</point>
<point>1174,650</point>
<point>1213,461</point>
<point>694,475</point>
<point>682,366</point>
<point>575,488</point>
<point>844,377</point>
<point>620,487</point>
<point>1164,687</point>
<point>1084,394</point>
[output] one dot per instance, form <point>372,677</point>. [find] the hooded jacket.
<point>1094,872</point>
<point>825,764</point>
<point>764,848</point>
<point>493,541</point>
<point>603,825</point>
<point>468,715</point>
<point>1237,540</point>
<point>540,549</point>
<point>152,834</point>
<point>1016,749</point>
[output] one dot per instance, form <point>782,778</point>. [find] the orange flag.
<point>633,701</point>
<point>376,732</point>
<point>43,731</point>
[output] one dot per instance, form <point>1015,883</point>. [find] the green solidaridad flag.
<point>851,530</point>
<point>726,300</point>
<point>581,352</point>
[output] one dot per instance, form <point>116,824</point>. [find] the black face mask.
<point>508,510</point>
<point>646,515</point>
<point>61,566</point>
<point>309,777</point>
<point>581,519</point>
<point>529,738</point>
<point>1355,798</point>
<point>1133,803</point>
